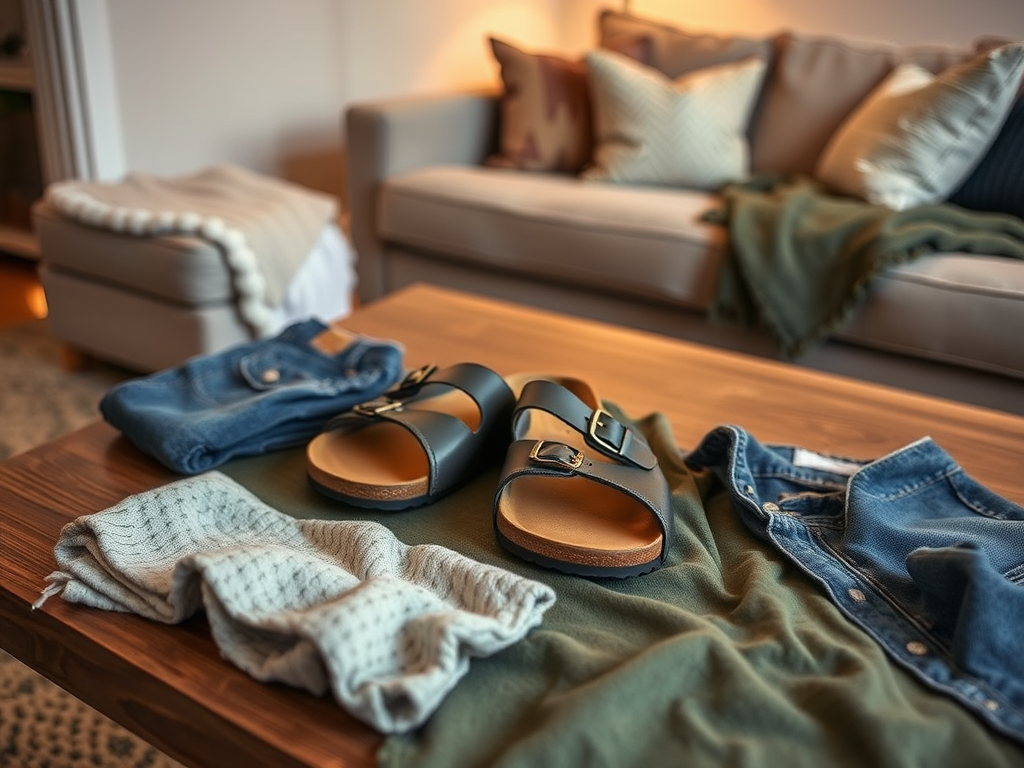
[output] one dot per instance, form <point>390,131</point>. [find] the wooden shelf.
<point>16,75</point>
<point>20,242</point>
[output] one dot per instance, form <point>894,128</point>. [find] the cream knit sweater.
<point>339,605</point>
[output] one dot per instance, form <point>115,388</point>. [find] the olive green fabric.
<point>800,260</point>
<point>728,655</point>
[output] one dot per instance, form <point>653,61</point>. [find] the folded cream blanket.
<point>264,226</point>
<point>339,605</point>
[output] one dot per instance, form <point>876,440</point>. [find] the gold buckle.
<point>418,376</point>
<point>572,462</point>
<point>596,422</point>
<point>376,407</point>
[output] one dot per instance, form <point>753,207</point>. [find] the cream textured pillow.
<point>917,136</point>
<point>688,132</point>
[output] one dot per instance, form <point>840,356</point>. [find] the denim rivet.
<point>749,490</point>
<point>857,595</point>
<point>770,507</point>
<point>991,705</point>
<point>271,375</point>
<point>916,648</point>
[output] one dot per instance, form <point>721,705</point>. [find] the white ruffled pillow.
<point>688,132</point>
<point>917,136</point>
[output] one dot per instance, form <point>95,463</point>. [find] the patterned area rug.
<point>42,726</point>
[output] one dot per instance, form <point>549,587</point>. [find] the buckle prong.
<point>376,408</point>
<point>418,376</point>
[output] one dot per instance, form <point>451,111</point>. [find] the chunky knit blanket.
<point>265,227</point>
<point>321,605</point>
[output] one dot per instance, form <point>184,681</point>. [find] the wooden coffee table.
<point>169,684</point>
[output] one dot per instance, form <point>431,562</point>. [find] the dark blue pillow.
<point>997,184</point>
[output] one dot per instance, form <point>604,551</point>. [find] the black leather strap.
<point>453,450</point>
<point>599,428</point>
<point>554,459</point>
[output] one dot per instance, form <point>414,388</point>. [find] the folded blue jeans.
<point>922,557</point>
<point>253,397</point>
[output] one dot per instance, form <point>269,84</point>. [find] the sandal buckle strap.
<point>377,407</point>
<point>608,435</point>
<point>416,377</point>
<point>392,400</point>
<point>556,454</point>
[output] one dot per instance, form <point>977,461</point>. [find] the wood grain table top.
<point>170,685</point>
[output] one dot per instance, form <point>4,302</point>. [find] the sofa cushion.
<point>814,84</point>
<point>675,51</point>
<point>997,183</point>
<point>917,136</point>
<point>688,132</point>
<point>642,241</point>
<point>649,243</point>
<point>950,308</point>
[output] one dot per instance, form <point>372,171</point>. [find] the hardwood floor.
<point>21,294</point>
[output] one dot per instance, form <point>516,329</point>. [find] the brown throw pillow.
<point>545,111</point>
<point>545,107</point>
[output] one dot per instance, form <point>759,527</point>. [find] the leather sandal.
<point>419,441</point>
<point>580,492</point>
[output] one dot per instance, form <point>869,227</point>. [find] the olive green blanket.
<point>800,260</point>
<point>728,655</point>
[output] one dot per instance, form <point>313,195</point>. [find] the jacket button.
<point>916,648</point>
<point>271,375</point>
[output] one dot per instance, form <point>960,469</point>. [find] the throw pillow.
<point>997,184</point>
<point>917,135</point>
<point>545,107</point>
<point>675,51</point>
<point>814,83</point>
<point>545,111</point>
<point>688,132</point>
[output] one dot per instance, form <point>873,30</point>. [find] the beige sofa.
<point>427,205</point>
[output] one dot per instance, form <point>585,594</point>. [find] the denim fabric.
<point>249,399</point>
<point>926,560</point>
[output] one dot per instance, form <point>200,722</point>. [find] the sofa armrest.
<point>386,138</point>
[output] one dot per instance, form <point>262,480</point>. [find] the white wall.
<point>899,21</point>
<point>263,83</point>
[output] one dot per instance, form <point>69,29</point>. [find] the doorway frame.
<point>76,104</point>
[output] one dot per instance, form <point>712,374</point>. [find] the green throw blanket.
<point>729,655</point>
<point>801,260</point>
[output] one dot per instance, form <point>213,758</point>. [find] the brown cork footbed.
<point>384,461</point>
<point>571,519</point>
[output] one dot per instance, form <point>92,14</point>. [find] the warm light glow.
<point>461,56</point>
<point>35,299</point>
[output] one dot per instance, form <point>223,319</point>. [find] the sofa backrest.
<point>812,84</point>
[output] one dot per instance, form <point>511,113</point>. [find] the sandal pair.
<point>579,491</point>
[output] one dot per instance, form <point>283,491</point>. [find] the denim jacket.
<point>251,398</point>
<point>923,558</point>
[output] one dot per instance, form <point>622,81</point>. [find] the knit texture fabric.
<point>265,226</point>
<point>317,604</point>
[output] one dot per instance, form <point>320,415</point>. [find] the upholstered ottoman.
<point>147,286</point>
